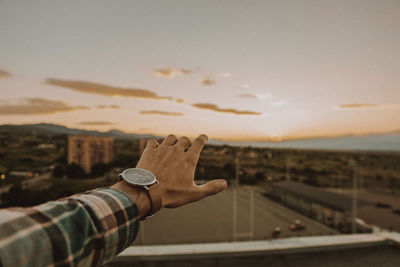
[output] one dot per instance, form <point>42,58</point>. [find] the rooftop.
<point>379,249</point>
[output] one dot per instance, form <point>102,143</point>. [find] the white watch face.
<point>138,176</point>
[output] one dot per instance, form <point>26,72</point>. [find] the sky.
<point>234,70</point>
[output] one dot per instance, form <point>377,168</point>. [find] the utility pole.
<point>235,199</point>
<point>354,199</point>
<point>234,213</point>
<point>237,167</point>
<point>288,169</point>
<point>360,173</point>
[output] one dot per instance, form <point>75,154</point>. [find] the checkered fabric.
<point>87,229</point>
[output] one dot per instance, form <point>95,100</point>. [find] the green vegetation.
<point>17,196</point>
<point>22,152</point>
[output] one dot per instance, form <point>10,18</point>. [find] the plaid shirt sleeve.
<point>87,229</point>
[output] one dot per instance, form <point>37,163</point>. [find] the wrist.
<point>138,195</point>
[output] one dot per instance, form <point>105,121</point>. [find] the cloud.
<point>180,100</point>
<point>253,96</point>
<point>211,79</point>
<point>107,106</point>
<point>106,90</point>
<point>357,106</point>
<point>4,74</point>
<point>159,112</point>
<point>96,123</point>
<point>365,106</point>
<point>215,108</point>
<point>260,96</point>
<point>225,75</point>
<point>34,106</point>
<point>280,103</point>
<point>208,81</point>
<point>171,72</point>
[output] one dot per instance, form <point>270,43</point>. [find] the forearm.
<point>89,229</point>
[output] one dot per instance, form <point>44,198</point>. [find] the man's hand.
<point>173,162</point>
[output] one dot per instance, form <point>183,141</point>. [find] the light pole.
<point>288,169</point>
<point>237,166</point>
<point>354,196</point>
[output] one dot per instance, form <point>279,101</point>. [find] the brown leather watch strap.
<point>154,195</point>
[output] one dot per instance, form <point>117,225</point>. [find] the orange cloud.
<point>171,72</point>
<point>357,106</point>
<point>108,106</point>
<point>158,112</point>
<point>215,108</point>
<point>208,81</point>
<point>4,74</point>
<point>248,96</point>
<point>180,100</point>
<point>34,106</point>
<point>260,96</point>
<point>106,90</point>
<point>96,123</point>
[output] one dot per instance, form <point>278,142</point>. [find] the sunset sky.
<point>235,70</point>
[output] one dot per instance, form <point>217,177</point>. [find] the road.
<point>211,220</point>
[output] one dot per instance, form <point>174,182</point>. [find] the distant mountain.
<point>374,142</point>
<point>43,128</point>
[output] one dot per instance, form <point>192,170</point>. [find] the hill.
<point>47,128</point>
<point>372,142</point>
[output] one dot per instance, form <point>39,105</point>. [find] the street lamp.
<point>354,195</point>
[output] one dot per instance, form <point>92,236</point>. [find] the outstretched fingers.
<point>152,143</point>
<point>183,142</point>
<point>197,146</point>
<point>169,140</point>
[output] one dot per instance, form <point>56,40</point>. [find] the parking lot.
<point>213,220</point>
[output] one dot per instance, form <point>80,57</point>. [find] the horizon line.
<point>233,139</point>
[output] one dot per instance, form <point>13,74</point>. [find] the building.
<point>87,151</point>
<point>332,209</point>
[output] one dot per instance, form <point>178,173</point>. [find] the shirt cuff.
<point>116,217</point>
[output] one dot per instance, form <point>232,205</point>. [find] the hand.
<point>173,162</point>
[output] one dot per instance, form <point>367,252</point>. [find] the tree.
<point>58,171</point>
<point>75,171</point>
<point>99,170</point>
<point>260,176</point>
<point>16,196</point>
<point>229,171</point>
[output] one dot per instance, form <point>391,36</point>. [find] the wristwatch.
<point>148,181</point>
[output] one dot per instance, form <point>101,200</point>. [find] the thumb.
<point>212,187</point>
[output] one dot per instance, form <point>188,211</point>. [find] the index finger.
<point>197,145</point>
